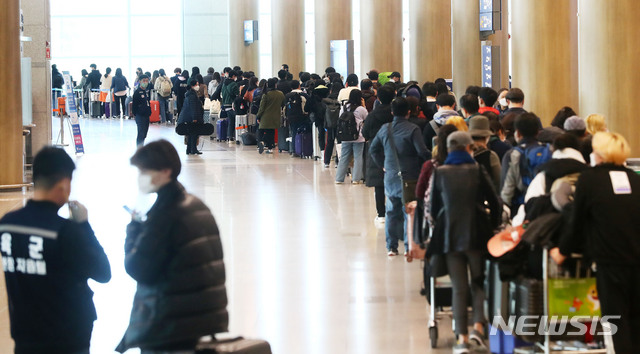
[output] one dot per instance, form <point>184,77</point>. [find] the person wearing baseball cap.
<point>459,192</point>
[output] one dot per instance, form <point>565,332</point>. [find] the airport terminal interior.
<point>306,252</point>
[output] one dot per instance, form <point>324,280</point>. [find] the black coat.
<point>176,258</point>
<point>457,199</point>
<point>94,79</point>
<point>141,102</point>
<point>605,224</point>
<point>192,108</point>
<point>375,120</point>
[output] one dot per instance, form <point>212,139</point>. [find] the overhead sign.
<point>487,78</point>
<point>73,113</point>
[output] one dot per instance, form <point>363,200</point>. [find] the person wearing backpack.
<point>565,161</point>
<point>399,149</point>
<point>296,112</point>
<point>164,87</point>
<point>332,109</point>
<point>519,166</point>
<point>374,173</point>
<point>229,93</point>
<point>352,117</point>
<point>446,105</point>
<point>269,115</point>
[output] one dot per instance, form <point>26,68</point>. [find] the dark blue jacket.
<point>411,150</point>
<point>192,109</point>
<point>119,83</point>
<point>47,261</point>
<point>141,102</point>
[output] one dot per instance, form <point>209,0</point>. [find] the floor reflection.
<point>307,269</point>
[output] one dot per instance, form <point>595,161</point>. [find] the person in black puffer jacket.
<point>374,175</point>
<point>192,113</point>
<point>176,257</point>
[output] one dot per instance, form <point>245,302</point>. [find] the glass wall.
<point>119,34</point>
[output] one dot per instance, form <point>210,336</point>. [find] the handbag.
<point>187,128</point>
<point>408,185</point>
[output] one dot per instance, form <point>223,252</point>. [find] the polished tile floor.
<point>306,266</point>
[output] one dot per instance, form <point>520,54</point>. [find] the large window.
<point>122,34</point>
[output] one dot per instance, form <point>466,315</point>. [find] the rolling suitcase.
<point>130,110</point>
<point>127,106</point>
<point>237,345</point>
<point>283,135</point>
<point>155,112</point>
<point>240,127</point>
<point>221,129</point>
<point>304,143</point>
<point>94,109</point>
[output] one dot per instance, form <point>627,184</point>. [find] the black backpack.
<point>293,109</point>
<point>240,106</point>
<point>332,112</point>
<point>257,98</point>
<point>348,126</point>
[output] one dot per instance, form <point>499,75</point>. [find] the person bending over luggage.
<point>141,107</point>
<point>175,255</point>
<point>269,115</point>
<point>47,261</point>
<point>606,227</point>
<point>462,227</point>
<point>192,113</point>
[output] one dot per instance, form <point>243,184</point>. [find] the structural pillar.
<point>287,30</point>
<point>332,22</point>
<point>501,39</point>
<point>545,54</point>
<point>37,25</point>
<point>11,106</point>
<point>465,45</point>
<point>430,39</point>
<point>608,65</point>
<point>381,39</point>
<point>240,53</point>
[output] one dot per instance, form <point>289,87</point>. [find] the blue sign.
<point>487,74</point>
<point>72,110</point>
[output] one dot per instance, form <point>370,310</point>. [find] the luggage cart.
<point>547,346</point>
<point>437,310</point>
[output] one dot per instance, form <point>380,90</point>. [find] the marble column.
<point>288,43</point>
<point>465,45</point>
<point>381,35</point>
<point>332,22</point>
<point>609,75</point>
<point>545,54</point>
<point>430,39</point>
<point>240,53</point>
<point>501,39</point>
<point>11,106</point>
<point>37,25</point>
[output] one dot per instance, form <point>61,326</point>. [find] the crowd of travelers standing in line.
<point>470,165</point>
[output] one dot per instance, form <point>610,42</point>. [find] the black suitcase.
<point>283,134</point>
<point>234,346</point>
<point>95,109</point>
<point>526,298</point>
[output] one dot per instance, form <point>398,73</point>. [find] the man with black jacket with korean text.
<point>47,261</point>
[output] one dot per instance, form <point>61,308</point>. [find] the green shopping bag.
<point>573,297</point>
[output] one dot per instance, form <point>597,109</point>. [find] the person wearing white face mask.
<point>605,228</point>
<point>141,107</point>
<point>192,113</point>
<point>176,257</point>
